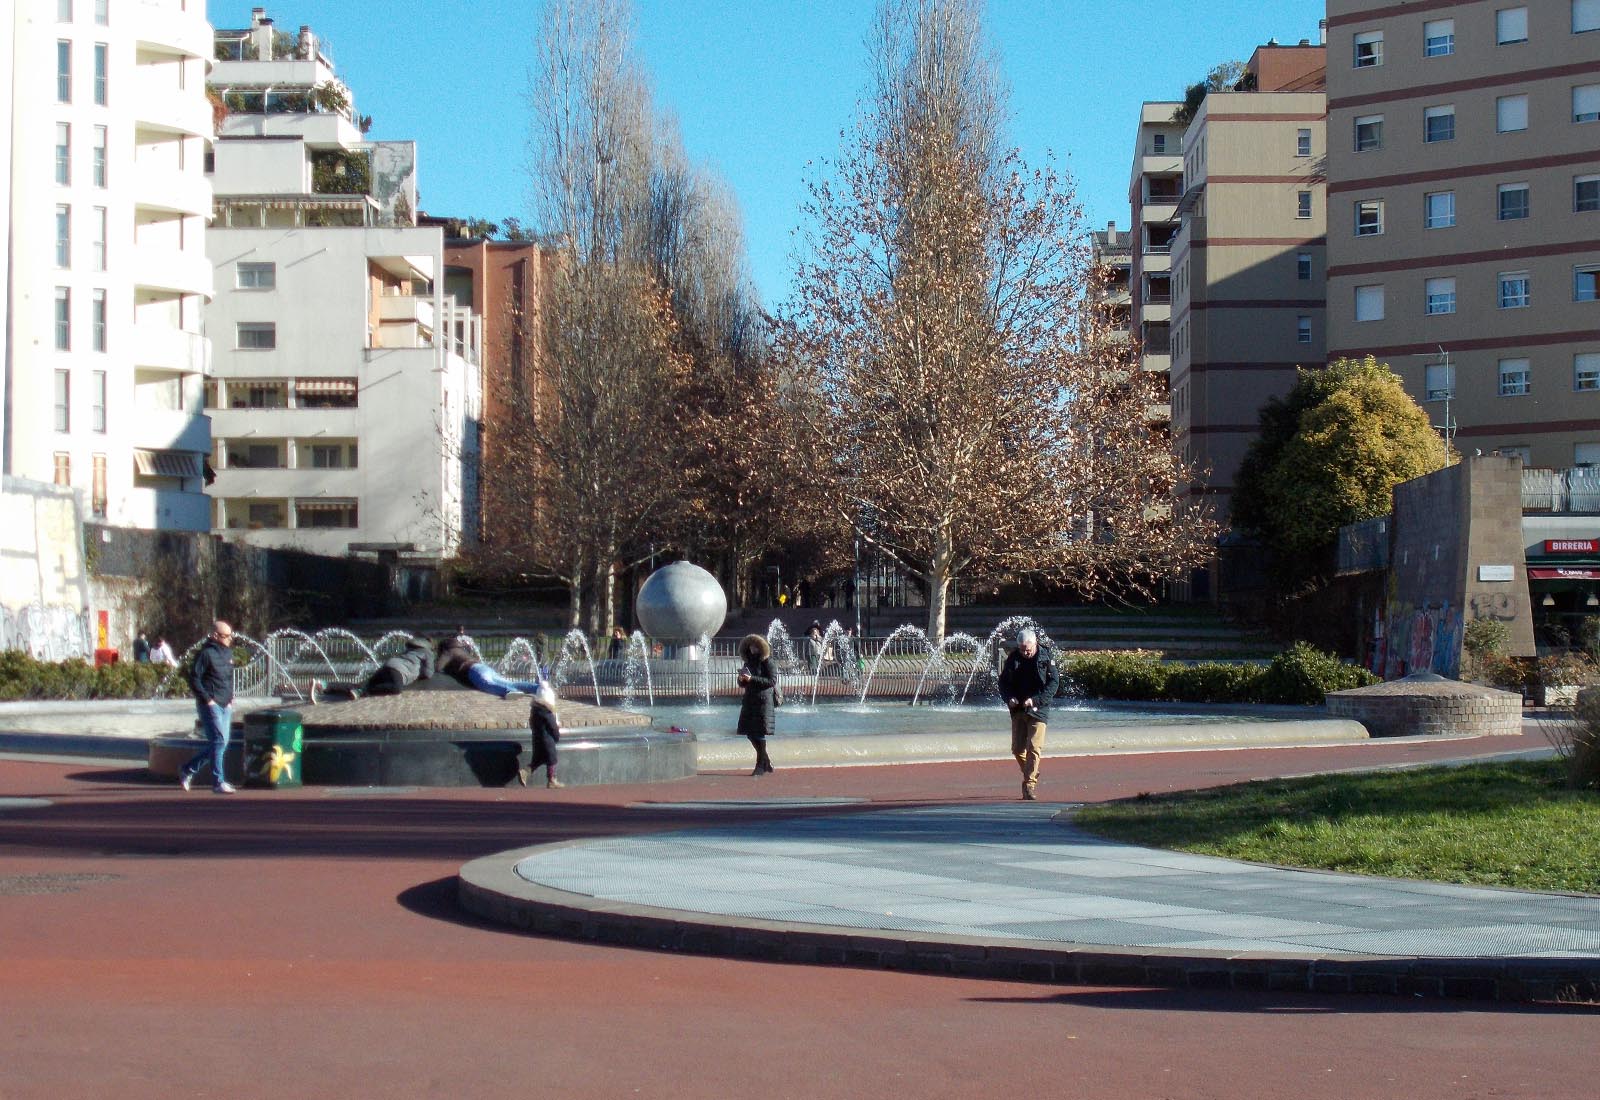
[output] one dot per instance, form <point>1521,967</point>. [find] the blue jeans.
<point>216,721</point>
<point>487,679</point>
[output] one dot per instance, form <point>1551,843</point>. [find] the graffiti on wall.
<point>46,633</point>
<point>1411,639</point>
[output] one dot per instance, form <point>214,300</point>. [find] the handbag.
<point>777,690</point>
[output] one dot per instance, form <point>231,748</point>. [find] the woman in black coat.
<point>758,679</point>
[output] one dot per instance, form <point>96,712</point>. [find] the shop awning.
<point>1564,573</point>
<point>166,463</point>
<point>340,387</point>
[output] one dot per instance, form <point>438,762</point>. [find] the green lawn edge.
<point>1512,824</point>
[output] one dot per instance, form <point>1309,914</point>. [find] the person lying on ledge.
<point>458,659</point>
<point>399,672</point>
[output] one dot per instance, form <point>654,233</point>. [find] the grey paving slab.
<point>1010,872</point>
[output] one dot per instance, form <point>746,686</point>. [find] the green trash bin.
<point>272,748</point>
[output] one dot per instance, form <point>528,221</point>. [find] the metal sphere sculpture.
<point>680,602</point>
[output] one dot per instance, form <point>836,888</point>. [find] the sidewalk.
<point>1013,890</point>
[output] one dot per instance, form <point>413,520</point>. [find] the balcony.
<point>1572,490</point>
<point>243,482</point>
<point>406,308</point>
<point>167,510</point>
<point>171,110</point>
<point>321,130</point>
<point>171,430</point>
<point>1156,362</point>
<point>158,347</point>
<point>281,74</point>
<point>1159,210</point>
<point>172,269</point>
<point>1161,164</point>
<point>174,190</point>
<point>163,26</point>
<point>1152,310</point>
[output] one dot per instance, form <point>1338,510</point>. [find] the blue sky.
<point>761,88</point>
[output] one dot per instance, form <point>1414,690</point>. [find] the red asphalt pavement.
<point>308,943</point>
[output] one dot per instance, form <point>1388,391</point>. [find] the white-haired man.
<point>1028,683</point>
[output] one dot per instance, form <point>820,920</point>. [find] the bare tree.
<point>967,417</point>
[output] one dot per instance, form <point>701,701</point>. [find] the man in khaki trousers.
<point>1028,683</point>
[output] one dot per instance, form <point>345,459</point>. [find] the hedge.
<point>22,677</point>
<point>1302,674</point>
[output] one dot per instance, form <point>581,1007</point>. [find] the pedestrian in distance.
<point>161,653</point>
<point>456,659</point>
<point>545,727</point>
<point>761,696</point>
<point>141,649</point>
<point>619,644</point>
<point>211,684</point>
<point>1027,683</point>
<point>413,663</point>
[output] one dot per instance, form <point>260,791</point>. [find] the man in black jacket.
<point>1028,683</point>
<point>211,683</point>
<point>392,677</point>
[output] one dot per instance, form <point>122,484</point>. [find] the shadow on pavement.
<point>1279,1003</point>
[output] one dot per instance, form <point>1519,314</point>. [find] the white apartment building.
<point>108,127</point>
<point>347,390</point>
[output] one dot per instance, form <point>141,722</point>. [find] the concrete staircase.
<point>1181,632</point>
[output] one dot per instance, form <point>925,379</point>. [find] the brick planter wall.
<point>1403,707</point>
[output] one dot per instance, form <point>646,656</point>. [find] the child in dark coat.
<point>546,729</point>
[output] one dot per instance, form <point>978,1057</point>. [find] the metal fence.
<point>1571,490</point>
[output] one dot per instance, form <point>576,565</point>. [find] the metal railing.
<point>1571,490</point>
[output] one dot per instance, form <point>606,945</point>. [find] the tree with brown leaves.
<point>966,416</point>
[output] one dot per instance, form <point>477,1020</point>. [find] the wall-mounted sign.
<point>1497,572</point>
<point>1563,573</point>
<point>1571,546</point>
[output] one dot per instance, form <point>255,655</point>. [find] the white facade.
<point>107,200</point>
<point>347,385</point>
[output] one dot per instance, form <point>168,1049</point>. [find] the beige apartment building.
<point>1248,263</point>
<point>1464,213</point>
<point>1154,187</point>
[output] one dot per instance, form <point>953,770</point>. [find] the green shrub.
<point>1214,683</point>
<point>1578,742</point>
<point>1304,674</point>
<point>1136,675</point>
<point>22,677</point>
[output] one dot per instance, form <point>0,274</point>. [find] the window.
<point>97,399</point>
<point>1369,133</point>
<point>63,71</point>
<point>1302,143</point>
<point>1586,371</point>
<point>64,236</point>
<point>63,11</point>
<point>1441,294</point>
<point>257,335</point>
<point>97,487</point>
<point>1369,303</point>
<point>256,276</point>
<point>1513,201</point>
<point>64,153</point>
<point>1514,290</point>
<point>1439,123</point>
<point>1439,209</point>
<point>101,61</point>
<point>63,401</point>
<point>1586,454</point>
<point>269,514</point>
<point>1585,194</point>
<point>333,456</point>
<point>1585,16</point>
<point>254,456</point>
<point>102,12</point>
<point>1586,103</point>
<point>1368,49</point>
<point>1511,25</point>
<point>63,468</point>
<point>1302,266</point>
<point>1369,217</point>
<point>258,394</point>
<point>325,513</point>
<point>1514,378</point>
<point>1158,144</point>
<point>1584,283</point>
<point>100,156</point>
<point>98,242</point>
<point>97,318</point>
<point>1439,38</point>
<point>1511,113</point>
<point>1302,330</point>
<point>1302,204</point>
<point>1439,382</point>
<point>63,319</point>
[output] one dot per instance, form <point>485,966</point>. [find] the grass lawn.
<point>1506,824</point>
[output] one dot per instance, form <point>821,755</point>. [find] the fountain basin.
<point>454,737</point>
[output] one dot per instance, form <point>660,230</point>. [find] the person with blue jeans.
<point>211,683</point>
<point>457,659</point>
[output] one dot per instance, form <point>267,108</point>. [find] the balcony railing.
<point>1572,490</point>
<point>1164,247</point>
